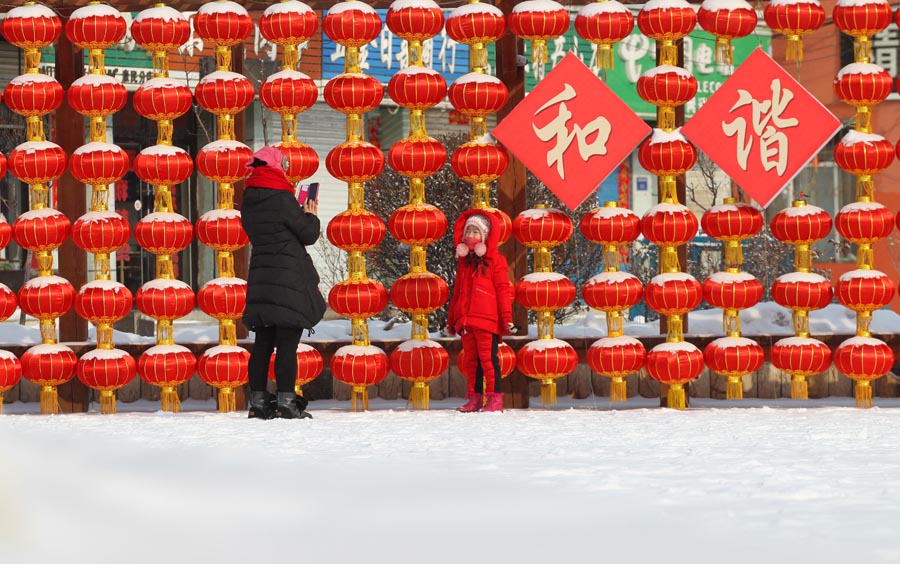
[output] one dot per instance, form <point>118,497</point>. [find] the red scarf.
<point>269,177</point>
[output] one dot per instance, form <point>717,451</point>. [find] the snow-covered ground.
<point>581,483</point>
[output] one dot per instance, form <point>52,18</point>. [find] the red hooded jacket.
<point>482,293</point>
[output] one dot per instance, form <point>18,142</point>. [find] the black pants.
<point>267,339</point>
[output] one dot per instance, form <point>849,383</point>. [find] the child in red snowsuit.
<point>481,307</point>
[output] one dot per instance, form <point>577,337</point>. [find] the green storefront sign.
<point>637,54</point>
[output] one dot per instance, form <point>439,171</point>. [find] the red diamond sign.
<point>761,127</point>
<point>571,131</point>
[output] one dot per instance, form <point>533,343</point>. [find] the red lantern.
<point>222,23</point>
<point>358,299</point>
<point>6,232</point>
<point>610,225</point>
<point>355,230</point>
<point>359,365</point>
<point>164,233</point>
<point>802,291</point>
<point>864,222</point>
<point>97,95</point>
<point>100,232</point>
<point>862,19</point>
<point>3,166</point>
<point>223,298</point>
<point>224,161</point>
<point>106,370</point>
<point>417,158</point>
<point>538,21</point>
<point>668,20</point>
<point>864,358</point>
<point>604,24</point>
<point>353,93</point>
<point>542,227</point>
<point>417,224</point>
<point>863,84</point>
<point>673,293</point>
<point>669,224</point>
<point>46,297</point>
<point>103,301</point>
<point>165,299</point>
<point>224,366</point>
<point>476,23</point>
<point>163,99</point>
<point>167,365</point>
<point>477,94</point>
<point>37,162</point>
<point>288,23</point>
<point>163,165</point>
<point>49,365</point>
<point>731,21</point>
<point>794,19</point>
<point>479,163</point>
<point>612,291</point>
<point>97,26</point>
<point>98,163</point>
<point>667,153</point>
<point>33,94</point>
<point>419,360</point>
<point>419,293</point>
<point>674,363</point>
<point>309,366</point>
<point>41,230</point>
<point>502,220</point>
<point>799,356</point>
<point>505,354</point>
<point>734,357</point>
<point>616,357</point>
<point>415,21</point>
<point>8,302</point>
<point>160,28</point>
<point>288,92</point>
<point>221,229</point>
<point>666,85</point>
<point>732,290</point>
<point>10,373</point>
<point>801,224</point>
<point>864,290</point>
<point>732,222</point>
<point>32,26</point>
<point>355,161</point>
<point>863,153</point>
<point>545,291</point>
<point>547,359</point>
<point>224,92</point>
<point>303,161</point>
<point>352,24</point>
<point>417,88</point>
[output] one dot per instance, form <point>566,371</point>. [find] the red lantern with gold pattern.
<point>224,161</point>
<point>355,161</point>
<point>864,222</point>
<point>49,365</point>
<point>673,293</point>
<point>542,227</point>
<point>477,94</point>
<point>3,167</point>
<point>800,356</point>
<point>476,23</point>
<point>801,224</point>
<point>667,153</point>
<point>802,291</point>
<point>419,293</point>
<point>165,299</point>
<point>545,291</point>
<point>100,232</point>
<point>309,366</point>
<point>160,28</point>
<point>41,230</point>
<point>417,158</point>
<point>862,19</point>
<point>863,84</point>
<point>667,21</point>
<point>352,24</point>
<point>222,23</point>
<point>732,222</point>
<point>610,225</point>
<point>604,24</point>
<point>669,224</point>
<point>726,22</point>
<point>224,366</point>
<point>353,93</point>
<point>479,163</point>
<point>360,365</point>
<point>98,163</point>
<point>163,165</point>
<point>417,224</point>
<point>32,26</point>
<point>503,221</point>
<point>288,23</point>
<point>616,357</point>
<point>732,290</point>
<point>224,92</point>
<point>734,357</point>
<point>505,354</point>
<point>106,370</point>
<point>547,359</point>
<point>8,302</point>
<point>288,92</point>
<point>103,301</point>
<point>6,232</point>
<point>46,297</point>
<point>864,290</point>
<point>415,21</point>
<point>417,88</point>
<point>358,299</point>
<point>221,229</point>
<point>223,298</point>
<point>162,98</point>
<point>10,373</point>
<point>303,161</point>
<point>538,21</point>
<point>864,358</point>
<point>674,363</point>
<point>794,19</point>
<point>164,233</point>
<point>167,365</point>
<point>666,85</point>
<point>98,26</point>
<point>33,94</point>
<point>97,95</point>
<point>612,291</point>
<point>419,360</point>
<point>37,162</point>
<point>359,230</point>
<point>863,153</point>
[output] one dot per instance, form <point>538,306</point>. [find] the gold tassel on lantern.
<point>169,399</point>
<point>419,395</point>
<point>618,390</point>
<point>794,50</point>
<point>548,392</point>
<point>227,402</point>
<point>360,398</point>
<point>605,57</point>
<point>49,400</point>
<point>107,402</point>
<point>734,389</point>
<point>676,398</point>
<point>863,393</point>
<point>799,387</point>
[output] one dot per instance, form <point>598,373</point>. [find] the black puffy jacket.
<point>282,284</point>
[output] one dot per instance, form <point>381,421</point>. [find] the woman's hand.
<point>311,206</point>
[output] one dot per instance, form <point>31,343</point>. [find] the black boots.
<point>291,406</point>
<point>262,405</point>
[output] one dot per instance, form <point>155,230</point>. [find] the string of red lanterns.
<point>10,367</point>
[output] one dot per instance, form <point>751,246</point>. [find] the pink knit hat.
<point>479,222</point>
<point>269,155</point>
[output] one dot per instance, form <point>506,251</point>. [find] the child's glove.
<point>511,328</point>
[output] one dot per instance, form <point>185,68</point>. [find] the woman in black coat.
<point>283,296</point>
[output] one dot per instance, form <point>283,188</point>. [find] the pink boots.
<point>494,402</point>
<point>474,403</point>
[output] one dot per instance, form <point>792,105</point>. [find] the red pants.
<point>482,367</point>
